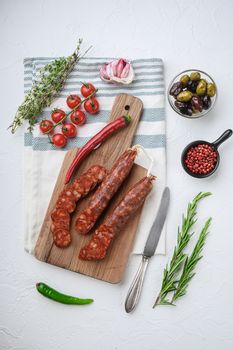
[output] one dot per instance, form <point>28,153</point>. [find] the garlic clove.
<point>120,66</point>
<point>113,68</point>
<point>125,71</point>
<point>118,71</point>
<point>104,72</point>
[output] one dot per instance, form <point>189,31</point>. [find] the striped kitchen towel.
<point>43,162</point>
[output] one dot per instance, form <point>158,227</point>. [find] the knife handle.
<point>136,286</point>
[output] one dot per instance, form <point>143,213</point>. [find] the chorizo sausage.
<point>100,199</point>
<point>97,247</point>
<point>67,200</point>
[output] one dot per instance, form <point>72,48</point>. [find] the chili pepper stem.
<point>127,118</point>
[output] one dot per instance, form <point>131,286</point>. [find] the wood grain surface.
<point>110,269</point>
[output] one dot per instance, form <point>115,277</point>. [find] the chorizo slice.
<point>109,186</point>
<point>62,238</point>
<point>65,202</point>
<point>60,214</point>
<point>89,180</point>
<point>60,224</point>
<point>69,192</point>
<point>97,247</point>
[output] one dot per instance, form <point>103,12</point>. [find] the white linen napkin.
<point>43,162</point>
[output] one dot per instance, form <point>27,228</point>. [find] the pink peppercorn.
<point>201,159</point>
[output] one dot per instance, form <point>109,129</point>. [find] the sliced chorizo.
<point>66,203</point>
<point>59,224</point>
<point>109,186</point>
<point>97,247</point>
<point>62,238</point>
<point>60,214</point>
<point>89,180</point>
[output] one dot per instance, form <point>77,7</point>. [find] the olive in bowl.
<point>192,93</point>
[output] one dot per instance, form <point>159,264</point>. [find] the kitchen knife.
<point>149,250</point>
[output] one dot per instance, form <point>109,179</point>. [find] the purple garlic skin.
<point>103,72</point>
<point>118,71</point>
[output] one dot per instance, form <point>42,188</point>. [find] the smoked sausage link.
<point>66,203</point>
<point>97,247</point>
<point>100,199</point>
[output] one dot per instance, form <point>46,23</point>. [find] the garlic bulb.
<point>118,71</point>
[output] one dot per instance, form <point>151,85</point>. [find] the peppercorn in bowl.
<point>200,159</point>
<point>192,93</point>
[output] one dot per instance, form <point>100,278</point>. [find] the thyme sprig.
<point>171,271</point>
<point>50,82</point>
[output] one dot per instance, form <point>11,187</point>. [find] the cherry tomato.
<point>78,117</point>
<point>87,89</point>
<point>91,105</point>
<point>69,130</point>
<point>59,140</point>
<point>57,115</point>
<point>73,101</point>
<point>46,126</point>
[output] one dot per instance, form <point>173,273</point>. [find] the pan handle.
<point>222,138</point>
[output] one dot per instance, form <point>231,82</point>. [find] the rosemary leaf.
<point>190,264</point>
<point>184,235</point>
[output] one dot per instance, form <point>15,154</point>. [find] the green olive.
<point>201,87</point>
<point>211,89</point>
<point>195,76</point>
<point>184,96</point>
<point>184,79</point>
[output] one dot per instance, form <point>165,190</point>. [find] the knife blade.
<point>134,292</point>
<point>156,229</point>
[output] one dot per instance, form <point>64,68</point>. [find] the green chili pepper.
<point>53,294</point>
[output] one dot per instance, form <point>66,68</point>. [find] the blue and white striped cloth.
<point>42,161</point>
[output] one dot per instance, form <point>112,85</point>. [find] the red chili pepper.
<point>95,141</point>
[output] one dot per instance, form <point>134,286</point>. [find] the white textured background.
<point>185,34</point>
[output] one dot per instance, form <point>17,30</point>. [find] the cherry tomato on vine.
<point>87,89</point>
<point>46,126</point>
<point>57,115</point>
<point>91,105</point>
<point>59,140</point>
<point>78,117</point>
<point>69,130</point>
<point>73,101</point>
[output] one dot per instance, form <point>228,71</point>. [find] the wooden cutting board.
<point>110,269</point>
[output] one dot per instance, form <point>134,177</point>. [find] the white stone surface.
<point>185,34</point>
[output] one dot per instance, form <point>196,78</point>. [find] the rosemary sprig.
<point>171,271</point>
<point>190,264</point>
<point>51,81</point>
